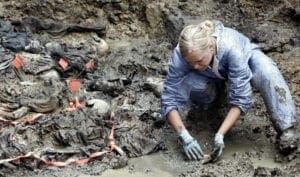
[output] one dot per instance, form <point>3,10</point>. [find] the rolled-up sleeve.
<point>175,93</point>
<point>239,76</point>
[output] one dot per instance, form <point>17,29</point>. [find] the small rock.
<point>102,48</point>
<point>113,18</point>
<point>276,172</point>
<point>52,74</point>
<point>121,6</point>
<point>261,172</point>
<point>155,85</point>
<point>100,105</point>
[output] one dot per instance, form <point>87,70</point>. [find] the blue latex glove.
<point>219,139</point>
<point>219,147</point>
<point>190,146</point>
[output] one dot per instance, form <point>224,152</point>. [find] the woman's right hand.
<point>191,147</point>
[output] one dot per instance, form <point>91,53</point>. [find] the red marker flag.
<point>63,63</point>
<point>18,61</point>
<point>90,64</point>
<point>74,85</point>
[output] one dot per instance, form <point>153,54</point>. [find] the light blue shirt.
<point>233,53</point>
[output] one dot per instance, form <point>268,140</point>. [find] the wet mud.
<point>53,125</point>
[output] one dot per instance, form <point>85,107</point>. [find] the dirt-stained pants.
<point>274,90</point>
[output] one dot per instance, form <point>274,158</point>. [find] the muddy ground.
<point>127,80</point>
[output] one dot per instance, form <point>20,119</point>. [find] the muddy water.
<point>245,147</point>
<point>157,165</point>
<point>151,165</point>
<point>265,162</point>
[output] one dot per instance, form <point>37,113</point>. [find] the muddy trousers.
<point>268,80</point>
<point>274,90</point>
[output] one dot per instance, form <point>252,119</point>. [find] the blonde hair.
<point>196,38</point>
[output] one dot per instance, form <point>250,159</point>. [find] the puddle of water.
<point>157,165</point>
<point>236,147</point>
<point>126,173</point>
<point>152,165</point>
<point>265,162</point>
<point>247,146</point>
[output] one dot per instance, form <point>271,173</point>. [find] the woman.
<point>209,53</point>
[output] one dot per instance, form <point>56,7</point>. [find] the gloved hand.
<point>219,147</point>
<point>190,146</point>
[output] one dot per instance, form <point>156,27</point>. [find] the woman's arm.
<point>232,116</point>
<point>175,121</point>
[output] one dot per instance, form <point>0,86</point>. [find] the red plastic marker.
<point>63,63</point>
<point>18,61</point>
<point>74,85</point>
<point>90,64</point>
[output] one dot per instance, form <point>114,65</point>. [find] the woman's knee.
<point>263,67</point>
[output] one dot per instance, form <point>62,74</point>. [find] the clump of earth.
<point>61,42</point>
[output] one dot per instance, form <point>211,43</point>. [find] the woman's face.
<point>200,61</point>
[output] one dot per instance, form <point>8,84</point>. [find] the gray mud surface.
<point>127,79</point>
